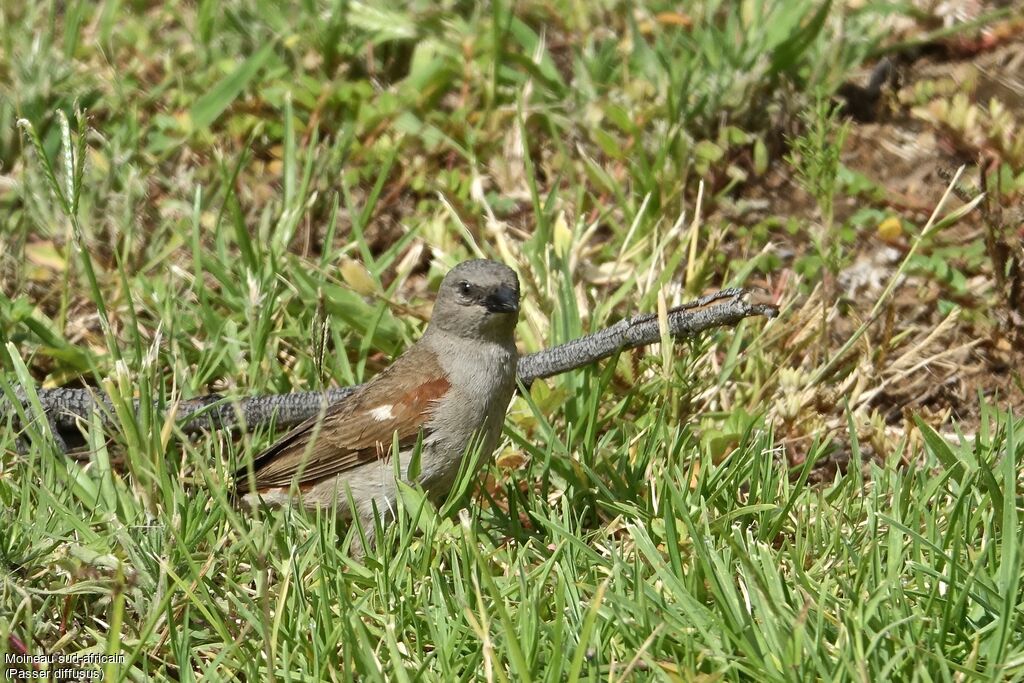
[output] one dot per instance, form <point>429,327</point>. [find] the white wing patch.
<point>384,412</point>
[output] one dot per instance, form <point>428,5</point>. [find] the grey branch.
<point>67,408</point>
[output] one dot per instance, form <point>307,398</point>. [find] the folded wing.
<point>357,431</point>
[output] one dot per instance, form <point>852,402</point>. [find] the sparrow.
<point>447,392</point>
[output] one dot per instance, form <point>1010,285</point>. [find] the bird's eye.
<point>464,288</point>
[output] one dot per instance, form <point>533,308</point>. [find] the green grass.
<point>260,198</point>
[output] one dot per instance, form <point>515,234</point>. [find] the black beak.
<point>504,300</point>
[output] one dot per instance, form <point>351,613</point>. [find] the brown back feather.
<point>351,434</point>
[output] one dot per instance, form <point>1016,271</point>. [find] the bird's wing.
<point>356,431</point>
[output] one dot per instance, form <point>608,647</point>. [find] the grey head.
<point>478,300</point>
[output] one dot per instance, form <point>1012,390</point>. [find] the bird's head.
<point>478,300</point>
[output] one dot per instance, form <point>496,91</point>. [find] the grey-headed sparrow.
<point>451,388</point>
